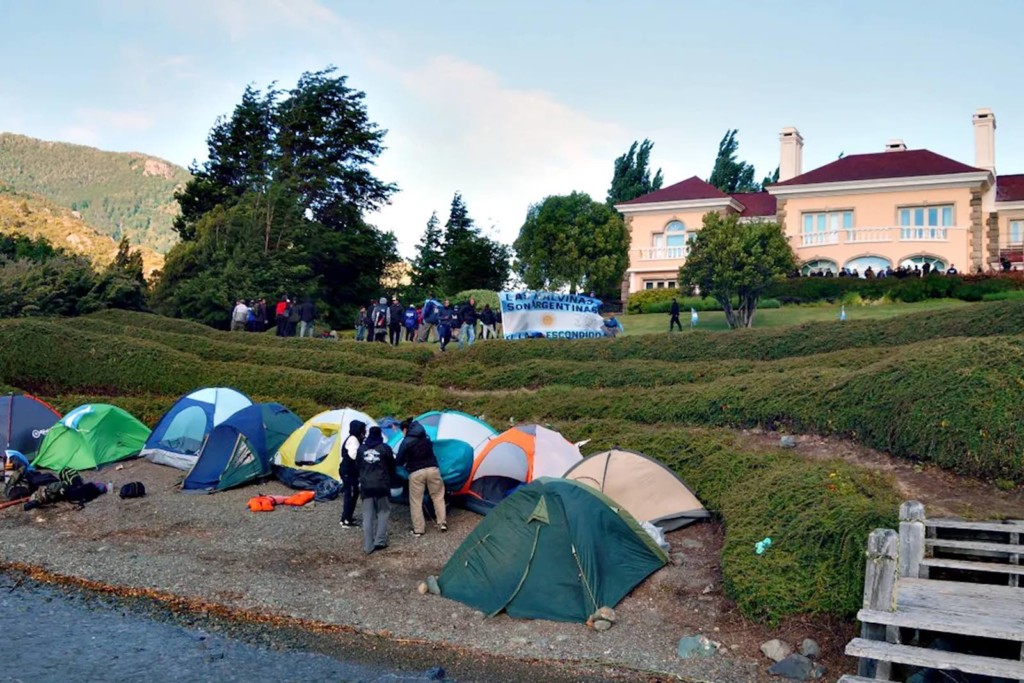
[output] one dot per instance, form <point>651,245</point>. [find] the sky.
<point>509,101</point>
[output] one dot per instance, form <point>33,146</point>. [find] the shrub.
<point>638,302</point>
<point>699,304</point>
<point>911,289</point>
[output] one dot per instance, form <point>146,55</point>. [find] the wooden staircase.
<point>949,580</point>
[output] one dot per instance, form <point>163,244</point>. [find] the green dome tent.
<point>555,549</point>
<point>91,436</point>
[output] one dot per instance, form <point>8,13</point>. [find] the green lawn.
<point>648,323</point>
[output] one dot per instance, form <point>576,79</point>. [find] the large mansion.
<point>891,208</point>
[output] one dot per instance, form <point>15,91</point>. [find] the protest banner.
<point>551,315</point>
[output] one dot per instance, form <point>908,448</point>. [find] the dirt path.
<point>943,493</point>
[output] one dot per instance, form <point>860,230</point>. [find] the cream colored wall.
<point>642,229</point>
<point>879,210</point>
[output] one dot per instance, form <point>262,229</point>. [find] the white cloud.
<point>502,147</point>
<point>121,119</point>
<point>244,18</point>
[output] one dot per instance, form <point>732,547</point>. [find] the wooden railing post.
<point>879,592</point>
<point>911,549</point>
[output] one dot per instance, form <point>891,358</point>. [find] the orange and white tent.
<point>513,458</point>
<point>643,486</point>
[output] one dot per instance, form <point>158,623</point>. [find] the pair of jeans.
<point>395,334</point>
<point>444,335</point>
<point>306,327</point>
<point>428,478</point>
<point>467,335</point>
<point>360,332</point>
<point>424,334</point>
<point>376,512</point>
<point>487,332</point>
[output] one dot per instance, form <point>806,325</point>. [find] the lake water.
<point>49,635</point>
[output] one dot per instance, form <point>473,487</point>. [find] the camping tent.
<point>179,434</point>
<point>24,421</point>
<point>451,424</point>
<point>650,491</point>
<point>316,445</point>
<point>91,436</point>
<point>515,457</point>
<point>454,460</point>
<point>241,448</point>
<point>555,549</point>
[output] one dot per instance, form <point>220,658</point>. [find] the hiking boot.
<point>442,526</point>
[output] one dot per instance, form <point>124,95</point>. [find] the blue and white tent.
<point>451,424</point>
<point>180,433</point>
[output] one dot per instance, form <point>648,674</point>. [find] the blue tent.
<point>241,448</point>
<point>454,459</point>
<point>24,421</point>
<point>180,433</point>
<point>451,424</point>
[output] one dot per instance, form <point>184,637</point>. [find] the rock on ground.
<point>810,649</point>
<point>695,646</point>
<point>797,668</point>
<point>776,650</point>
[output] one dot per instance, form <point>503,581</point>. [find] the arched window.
<point>919,261</point>
<point>861,264</point>
<point>675,234</point>
<point>820,264</point>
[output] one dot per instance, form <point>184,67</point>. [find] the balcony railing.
<point>659,253</point>
<point>903,233</point>
<point>1012,251</point>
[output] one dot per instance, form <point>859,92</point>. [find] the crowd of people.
<point>368,473</point>
<point>289,315</point>
<point>870,273</point>
<point>392,322</point>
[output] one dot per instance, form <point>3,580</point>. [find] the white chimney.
<point>791,154</point>
<point>895,146</point>
<point>985,151</point>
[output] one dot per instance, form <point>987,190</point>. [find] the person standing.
<point>674,316</point>
<point>349,471</point>
<point>444,324</point>
<point>411,322</point>
<point>416,454</point>
<point>261,315</point>
<point>380,317</point>
<point>468,316</point>
<point>487,323</point>
<point>281,316</point>
<point>376,472</point>
<point>612,327</point>
<point>430,310</point>
<point>395,315</point>
<point>239,316</point>
<point>307,316</point>
<point>361,319</point>
<point>293,317</point>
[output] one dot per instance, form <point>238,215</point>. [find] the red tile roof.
<point>906,164</point>
<point>1010,188</point>
<point>691,188</point>
<point>755,203</point>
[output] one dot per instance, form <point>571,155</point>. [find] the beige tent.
<point>644,487</point>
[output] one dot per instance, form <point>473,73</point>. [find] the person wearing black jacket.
<point>307,315</point>
<point>445,320</point>
<point>349,471</point>
<point>395,316</point>
<point>376,472</point>
<point>674,316</point>
<point>468,315</point>
<point>487,323</point>
<point>416,454</point>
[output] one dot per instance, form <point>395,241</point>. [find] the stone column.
<point>992,253</point>
<point>975,234</point>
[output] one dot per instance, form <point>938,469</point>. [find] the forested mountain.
<point>119,194</point>
<point>22,213</point>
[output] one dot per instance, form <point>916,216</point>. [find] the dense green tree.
<point>632,175</point>
<point>734,262</point>
<point>729,174</point>
<point>572,241</point>
<point>471,260</point>
<point>428,263</point>
<point>278,206</point>
<point>770,179</point>
<point>128,263</point>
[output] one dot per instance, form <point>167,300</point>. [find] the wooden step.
<point>935,659</point>
<point>976,545</point>
<point>967,566</point>
<point>856,679</point>
<point>1002,627</point>
<point>1001,527</point>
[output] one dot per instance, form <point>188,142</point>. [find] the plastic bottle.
<point>110,487</point>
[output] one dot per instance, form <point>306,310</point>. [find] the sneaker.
<point>416,534</point>
<point>348,525</point>
<point>380,546</point>
<point>442,526</point>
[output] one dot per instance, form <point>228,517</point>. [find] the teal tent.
<point>555,549</point>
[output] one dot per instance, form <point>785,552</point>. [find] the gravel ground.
<point>298,562</point>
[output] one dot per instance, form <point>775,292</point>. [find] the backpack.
<point>379,318</point>
<point>374,477</point>
<point>134,489</point>
<point>430,312</point>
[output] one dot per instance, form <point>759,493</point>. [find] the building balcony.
<point>882,235</point>
<point>1012,251</point>
<point>662,253</point>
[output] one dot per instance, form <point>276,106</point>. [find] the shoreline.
<point>345,643</point>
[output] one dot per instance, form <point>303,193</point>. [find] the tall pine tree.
<point>471,260</point>
<point>427,266</point>
<point>729,174</point>
<point>632,175</point>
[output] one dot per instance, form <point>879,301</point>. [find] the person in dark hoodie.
<point>349,471</point>
<point>376,472</point>
<point>307,316</point>
<point>416,454</point>
<point>395,315</point>
<point>445,321</point>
